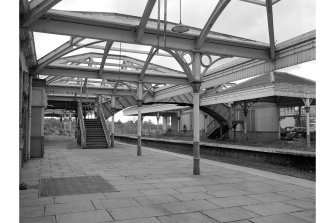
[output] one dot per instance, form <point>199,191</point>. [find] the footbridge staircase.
<point>219,119</point>
<point>93,133</point>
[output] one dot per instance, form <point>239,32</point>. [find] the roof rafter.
<point>147,11</point>
<point>222,4</point>
<point>151,54</point>
<point>104,57</point>
<point>270,27</point>
<point>59,52</point>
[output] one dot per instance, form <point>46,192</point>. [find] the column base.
<point>196,159</point>
<point>112,140</point>
<point>196,166</point>
<point>139,149</point>
<point>308,140</point>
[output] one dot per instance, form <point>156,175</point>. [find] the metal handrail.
<point>82,126</point>
<point>212,126</point>
<point>104,125</point>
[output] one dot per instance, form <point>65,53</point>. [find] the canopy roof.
<point>109,53</point>
<point>278,87</point>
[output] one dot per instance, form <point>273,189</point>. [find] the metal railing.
<point>104,125</point>
<point>81,126</point>
<point>212,126</point>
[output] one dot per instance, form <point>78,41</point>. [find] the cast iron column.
<point>196,112</point>
<point>112,123</point>
<point>245,112</point>
<point>157,117</point>
<point>307,109</point>
<point>139,117</point>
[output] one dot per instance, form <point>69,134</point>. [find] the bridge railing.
<point>81,126</point>
<point>104,125</point>
<point>212,126</point>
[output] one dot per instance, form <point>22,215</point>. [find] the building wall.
<point>174,123</point>
<point>186,118</point>
<point>266,118</point>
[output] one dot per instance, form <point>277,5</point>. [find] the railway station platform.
<point>71,184</point>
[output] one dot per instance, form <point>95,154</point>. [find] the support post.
<point>279,129</point>
<point>299,116</point>
<point>157,117</point>
<point>233,120</point>
<point>196,112</point>
<point>307,109</point>
<point>28,130</point>
<point>245,125</point>
<point>139,117</point>
<point>70,123</point>
<point>164,124</point>
<point>178,125</point>
<point>113,122</point>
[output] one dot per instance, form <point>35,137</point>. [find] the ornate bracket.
<point>196,86</point>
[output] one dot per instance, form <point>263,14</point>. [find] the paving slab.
<point>187,218</point>
<point>272,208</point>
<point>128,213</point>
<point>304,203</point>
<point>140,220</point>
<point>233,201</point>
<point>79,198</point>
<point>307,215</point>
<point>115,203</point>
<point>35,211</point>
<point>269,197</point>
<point>56,209</point>
<point>87,217</point>
<point>281,218</point>
<point>47,219</point>
<point>192,196</point>
<point>228,193</point>
<point>160,199</point>
<point>36,201</point>
<point>230,214</point>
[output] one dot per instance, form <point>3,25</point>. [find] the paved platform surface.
<point>158,187</point>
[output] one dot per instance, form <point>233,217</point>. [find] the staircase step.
<point>96,140</point>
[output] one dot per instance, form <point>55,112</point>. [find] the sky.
<point>291,18</point>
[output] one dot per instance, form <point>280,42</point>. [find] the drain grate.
<point>74,185</point>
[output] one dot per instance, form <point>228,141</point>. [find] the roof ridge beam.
<point>222,4</point>
<point>144,19</point>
